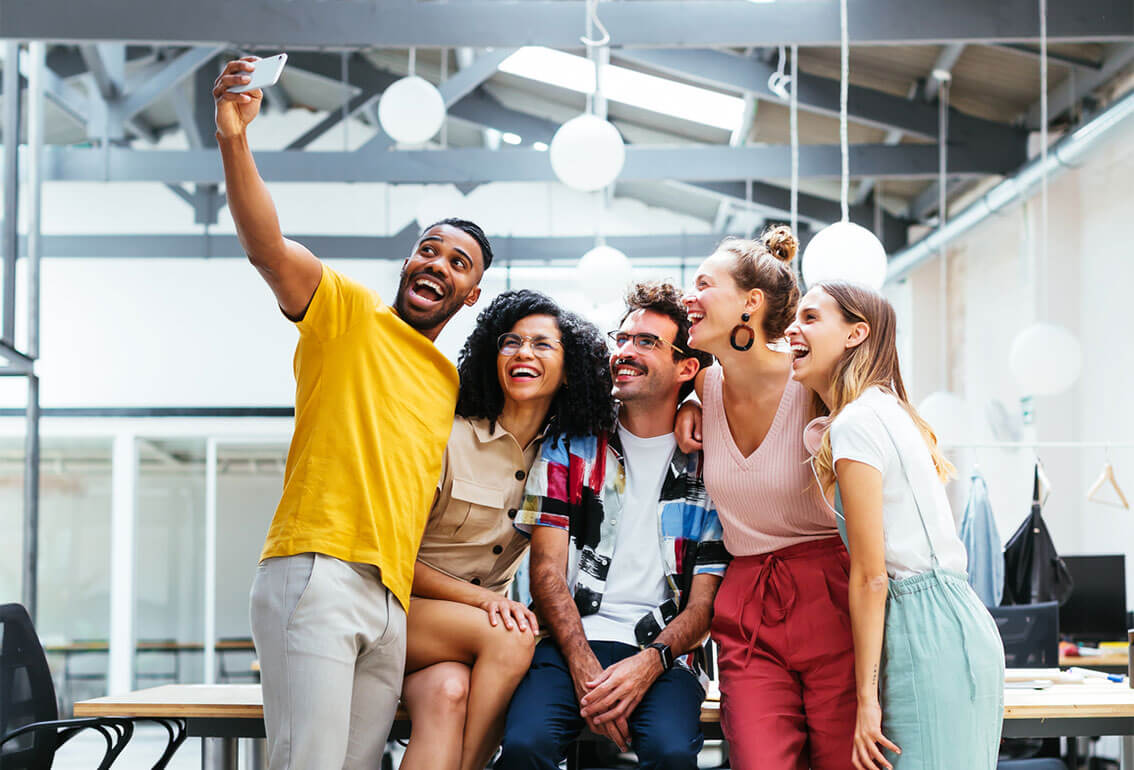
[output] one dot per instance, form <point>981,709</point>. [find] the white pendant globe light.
<point>411,110</point>
<point>845,251</point>
<point>587,153</point>
<point>949,416</point>
<point>1046,359</point>
<point>603,274</point>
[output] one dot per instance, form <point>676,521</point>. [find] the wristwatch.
<point>666,655</point>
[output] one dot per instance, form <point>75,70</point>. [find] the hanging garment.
<point>1033,570</point>
<point>982,543</point>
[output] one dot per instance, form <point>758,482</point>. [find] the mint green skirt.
<point>942,675</point>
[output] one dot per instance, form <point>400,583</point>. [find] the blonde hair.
<point>765,264</point>
<point>873,363</point>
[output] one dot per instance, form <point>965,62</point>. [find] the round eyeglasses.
<point>643,342</point>
<point>509,344</point>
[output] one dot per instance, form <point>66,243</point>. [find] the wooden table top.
<point>1094,698</point>
<point>1119,659</point>
<point>103,646</point>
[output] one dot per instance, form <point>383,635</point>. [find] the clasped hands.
<point>607,697</point>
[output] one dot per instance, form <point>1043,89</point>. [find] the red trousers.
<point>786,659</point>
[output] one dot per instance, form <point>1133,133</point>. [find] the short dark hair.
<point>472,229</point>
<point>582,407</point>
<point>664,298</point>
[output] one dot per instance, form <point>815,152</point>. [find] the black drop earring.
<point>744,332</point>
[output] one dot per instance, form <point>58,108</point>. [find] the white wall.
<point>996,288</point>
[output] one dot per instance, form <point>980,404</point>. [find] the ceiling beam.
<point>683,163</point>
<point>396,247</point>
<point>1068,93</point>
<point>557,23</point>
<point>821,95</point>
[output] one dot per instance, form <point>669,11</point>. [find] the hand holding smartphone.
<point>266,73</point>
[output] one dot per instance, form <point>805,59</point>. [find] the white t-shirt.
<point>858,434</point>
<point>635,584</point>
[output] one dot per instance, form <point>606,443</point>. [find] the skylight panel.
<point>626,86</point>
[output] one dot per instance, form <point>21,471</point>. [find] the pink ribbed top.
<point>769,499</point>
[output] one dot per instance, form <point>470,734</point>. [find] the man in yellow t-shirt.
<point>374,405</point>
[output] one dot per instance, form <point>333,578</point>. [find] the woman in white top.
<point>929,663</point>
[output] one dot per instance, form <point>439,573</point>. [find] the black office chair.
<point>1030,633</point>
<point>30,729</point>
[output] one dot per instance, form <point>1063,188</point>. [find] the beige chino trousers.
<point>332,646</point>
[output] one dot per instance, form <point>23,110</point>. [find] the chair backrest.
<point>1030,633</point>
<point>26,692</point>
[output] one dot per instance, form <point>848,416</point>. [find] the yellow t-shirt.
<point>374,402</point>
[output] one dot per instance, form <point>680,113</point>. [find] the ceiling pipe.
<point>1065,154</point>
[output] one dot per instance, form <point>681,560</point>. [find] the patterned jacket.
<point>577,484</point>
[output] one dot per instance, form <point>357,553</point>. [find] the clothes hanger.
<point>1107,477</point>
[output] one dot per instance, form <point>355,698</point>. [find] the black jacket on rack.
<point>1033,571</point>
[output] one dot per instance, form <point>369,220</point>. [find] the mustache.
<point>622,361</point>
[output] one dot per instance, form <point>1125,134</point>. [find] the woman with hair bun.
<point>530,372</point>
<point>781,618</point>
<point>929,660</point>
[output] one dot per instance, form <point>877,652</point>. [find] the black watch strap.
<point>666,655</point>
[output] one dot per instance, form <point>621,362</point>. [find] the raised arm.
<point>560,616</point>
<point>292,272</point>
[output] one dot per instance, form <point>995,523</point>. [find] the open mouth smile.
<point>524,373</point>
<point>427,291</point>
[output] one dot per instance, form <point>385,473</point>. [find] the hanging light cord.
<point>594,21</point>
<point>794,112</point>
<point>844,68</point>
<point>943,259</point>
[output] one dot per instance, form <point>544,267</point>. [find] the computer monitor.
<point>1096,611</point>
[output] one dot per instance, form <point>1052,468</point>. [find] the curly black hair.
<point>582,407</point>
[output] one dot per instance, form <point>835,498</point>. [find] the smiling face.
<point>648,375</point>
<point>820,337</point>
<point>534,372</point>
<point>440,278</point>
<point>715,304</point>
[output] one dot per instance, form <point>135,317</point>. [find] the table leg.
<point>1128,752</point>
<point>218,754</point>
<point>257,754</point>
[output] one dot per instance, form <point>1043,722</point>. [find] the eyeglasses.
<point>644,342</point>
<point>509,344</point>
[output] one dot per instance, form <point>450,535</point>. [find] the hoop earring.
<point>742,328</point>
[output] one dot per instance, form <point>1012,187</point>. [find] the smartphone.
<point>266,73</point>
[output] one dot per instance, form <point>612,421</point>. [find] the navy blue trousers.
<point>543,719</point>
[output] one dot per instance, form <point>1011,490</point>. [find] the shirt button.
<point>475,581</point>
<point>512,513</point>
<point>520,475</point>
<point>498,549</point>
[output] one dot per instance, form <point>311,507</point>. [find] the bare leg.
<point>448,631</point>
<point>436,697</point>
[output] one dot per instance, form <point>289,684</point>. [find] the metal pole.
<point>36,63</point>
<point>10,244</point>
<point>31,499</point>
<point>36,56</point>
<point>210,561</point>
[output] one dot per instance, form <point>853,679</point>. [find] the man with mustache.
<point>373,409</point>
<point>626,559</point>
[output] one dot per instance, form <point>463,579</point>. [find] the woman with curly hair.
<point>530,372</point>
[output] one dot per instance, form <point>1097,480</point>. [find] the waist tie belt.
<point>773,589</point>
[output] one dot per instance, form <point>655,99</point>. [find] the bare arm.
<point>621,687</point>
<point>292,272</point>
<point>860,486</point>
<point>561,617</point>
<point>430,583</point>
